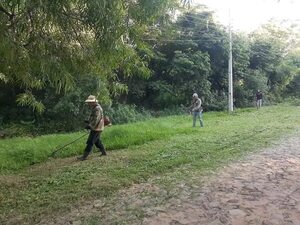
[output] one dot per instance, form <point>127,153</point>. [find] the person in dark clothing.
<point>96,125</point>
<point>258,99</point>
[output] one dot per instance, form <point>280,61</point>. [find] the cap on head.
<point>91,98</point>
<point>195,95</point>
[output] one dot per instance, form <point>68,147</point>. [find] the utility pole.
<point>230,88</point>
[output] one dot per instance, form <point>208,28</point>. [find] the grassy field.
<point>138,151</point>
<point>18,153</point>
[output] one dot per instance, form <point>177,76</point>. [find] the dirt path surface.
<point>264,189</point>
<point>261,189</point>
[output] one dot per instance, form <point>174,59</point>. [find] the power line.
<point>194,35</point>
<point>170,41</point>
<point>180,40</point>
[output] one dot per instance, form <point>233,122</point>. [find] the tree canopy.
<point>50,43</point>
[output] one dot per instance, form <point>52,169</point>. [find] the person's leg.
<point>100,145</point>
<point>201,119</point>
<point>194,118</point>
<point>260,103</point>
<point>198,116</point>
<point>86,152</point>
<point>89,146</point>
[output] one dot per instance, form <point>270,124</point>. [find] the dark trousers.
<point>93,139</point>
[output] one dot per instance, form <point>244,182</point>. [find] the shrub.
<point>175,110</point>
<point>293,101</point>
<point>217,103</point>
<point>121,114</point>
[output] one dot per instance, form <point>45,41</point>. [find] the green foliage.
<point>218,102</point>
<point>194,59</point>
<point>294,87</point>
<point>241,55</point>
<point>256,80</point>
<point>16,129</point>
<point>48,43</point>
<point>28,99</point>
<point>295,101</point>
<point>269,53</point>
<point>176,110</point>
<point>126,113</point>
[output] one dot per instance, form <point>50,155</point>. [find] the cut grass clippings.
<point>146,149</point>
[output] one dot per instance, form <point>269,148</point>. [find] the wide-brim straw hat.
<point>91,98</point>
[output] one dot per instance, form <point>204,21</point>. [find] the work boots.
<point>103,154</point>
<point>81,158</point>
<point>84,157</point>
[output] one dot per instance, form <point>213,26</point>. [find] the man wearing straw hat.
<point>96,125</point>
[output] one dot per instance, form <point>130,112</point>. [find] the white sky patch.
<point>247,15</point>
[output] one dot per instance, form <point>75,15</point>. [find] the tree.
<point>209,37</point>
<point>51,43</point>
<point>270,48</point>
<point>293,60</point>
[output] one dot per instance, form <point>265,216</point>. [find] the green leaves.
<point>50,43</point>
<point>3,78</point>
<point>28,99</point>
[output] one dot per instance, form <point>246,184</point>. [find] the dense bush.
<point>180,110</point>
<point>218,102</point>
<point>121,114</point>
<point>293,101</point>
<point>294,87</point>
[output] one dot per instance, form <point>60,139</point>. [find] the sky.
<point>247,15</point>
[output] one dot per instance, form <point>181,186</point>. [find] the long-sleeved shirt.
<point>258,95</point>
<point>96,121</point>
<point>196,105</point>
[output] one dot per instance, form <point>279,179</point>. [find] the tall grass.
<point>17,153</point>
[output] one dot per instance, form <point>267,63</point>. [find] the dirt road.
<point>262,190</point>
